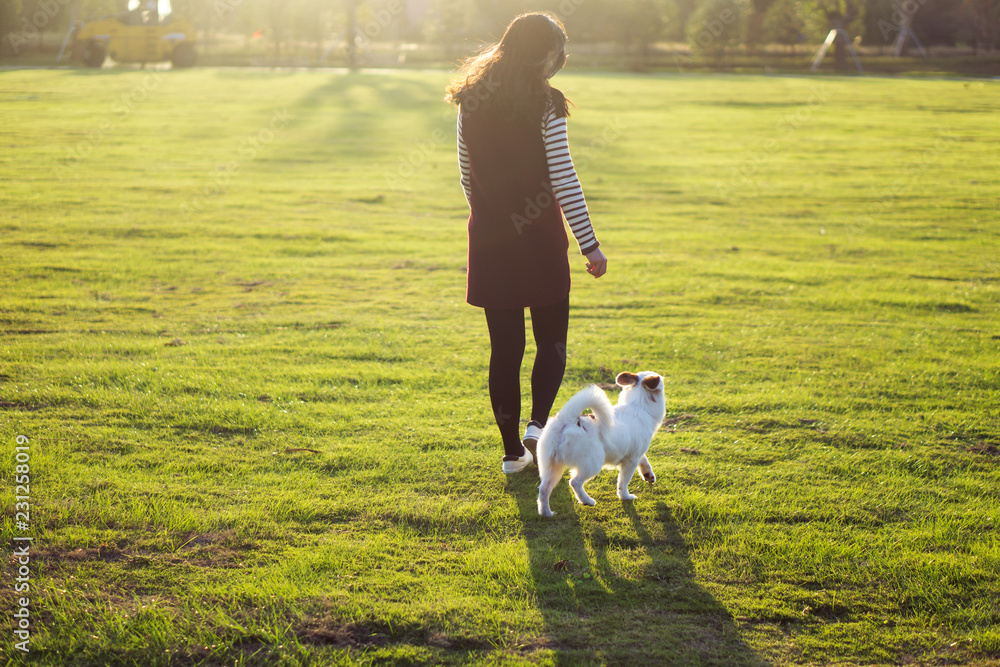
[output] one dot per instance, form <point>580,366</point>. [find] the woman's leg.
<point>549,325</point>
<point>506,327</point>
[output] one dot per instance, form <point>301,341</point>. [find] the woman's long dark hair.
<point>510,78</point>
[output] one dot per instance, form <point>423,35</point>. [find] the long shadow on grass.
<point>617,587</point>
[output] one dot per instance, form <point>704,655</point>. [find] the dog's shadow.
<point>621,590</point>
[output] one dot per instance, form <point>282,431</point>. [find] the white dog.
<point>613,437</point>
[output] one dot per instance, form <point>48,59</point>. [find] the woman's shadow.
<point>621,591</point>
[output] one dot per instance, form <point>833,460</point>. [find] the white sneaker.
<point>517,465</point>
<point>531,434</point>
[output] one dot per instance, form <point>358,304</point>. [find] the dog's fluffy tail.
<point>589,397</point>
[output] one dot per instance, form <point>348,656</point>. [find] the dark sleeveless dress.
<point>517,241</point>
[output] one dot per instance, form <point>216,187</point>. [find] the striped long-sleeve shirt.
<point>565,183</point>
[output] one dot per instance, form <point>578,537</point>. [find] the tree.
<point>845,15</point>
<point>938,22</point>
<point>591,21</point>
<point>10,27</point>
<point>717,25</point>
<point>986,14</point>
<point>640,24</point>
<point>676,29</point>
<point>785,23</point>
<point>449,25</point>
<point>757,23</point>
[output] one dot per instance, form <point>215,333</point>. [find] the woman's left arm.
<point>463,161</point>
<point>565,184</point>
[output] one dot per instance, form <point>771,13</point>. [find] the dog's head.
<point>645,385</point>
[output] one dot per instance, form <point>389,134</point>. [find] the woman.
<point>519,180</point>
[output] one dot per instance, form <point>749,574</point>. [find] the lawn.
<point>207,273</point>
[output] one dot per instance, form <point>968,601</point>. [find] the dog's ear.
<point>627,380</point>
<point>651,382</point>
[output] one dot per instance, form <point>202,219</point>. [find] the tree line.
<point>635,26</point>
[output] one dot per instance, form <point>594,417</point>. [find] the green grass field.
<point>202,270</point>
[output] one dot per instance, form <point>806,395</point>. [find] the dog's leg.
<point>625,472</point>
<point>647,470</point>
<point>580,477</point>
<point>548,482</point>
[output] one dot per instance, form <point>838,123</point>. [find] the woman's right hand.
<point>597,263</point>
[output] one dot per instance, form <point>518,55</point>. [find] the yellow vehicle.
<point>137,36</point>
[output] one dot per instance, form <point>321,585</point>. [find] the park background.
<point>233,339</point>
<point>958,36</point>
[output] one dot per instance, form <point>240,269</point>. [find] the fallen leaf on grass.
<point>292,450</point>
<point>377,199</point>
<point>674,420</point>
<point>984,448</point>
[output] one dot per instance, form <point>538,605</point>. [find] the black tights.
<point>506,325</point>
